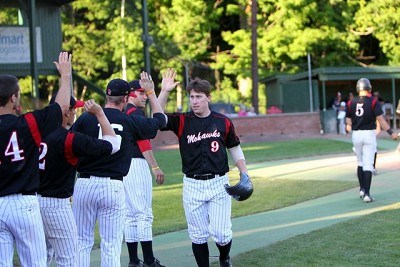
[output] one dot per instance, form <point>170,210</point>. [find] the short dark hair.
<point>8,86</point>
<point>199,86</point>
<point>114,99</point>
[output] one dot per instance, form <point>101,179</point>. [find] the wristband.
<point>155,168</point>
<point>149,92</point>
<point>389,131</point>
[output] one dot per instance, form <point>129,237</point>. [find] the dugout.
<point>291,93</point>
<point>39,21</point>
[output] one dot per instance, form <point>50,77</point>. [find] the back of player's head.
<point>8,86</point>
<point>363,84</point>
<point>116,91</point>
<point>199,86</point>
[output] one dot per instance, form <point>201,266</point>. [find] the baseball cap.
<point>135,86</point>
<point>117,87</point>
<point>73,103</point>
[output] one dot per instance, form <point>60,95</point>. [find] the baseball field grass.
<point>371,240</point>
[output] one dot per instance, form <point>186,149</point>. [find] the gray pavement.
<point>262,229</point>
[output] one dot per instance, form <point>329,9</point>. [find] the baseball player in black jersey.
<point>20,139</point>
<point>362,113</point>
<point>60,153</point>
<point>99,192</point>
<point>204,136</point>
<point>138,189</point>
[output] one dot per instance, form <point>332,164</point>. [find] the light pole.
<point>147,40</point>
<point>254,55</point>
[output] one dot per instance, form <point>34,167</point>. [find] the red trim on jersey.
<point>33,127</point>
<point>129,111</point>
<point>181,124</point>
<point>144,145</point>
<point>228,127</point>
<point>374,103</point>
<point>68,152</point>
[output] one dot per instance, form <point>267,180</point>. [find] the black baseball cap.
<point>117,87</point>
<point>73,103</point>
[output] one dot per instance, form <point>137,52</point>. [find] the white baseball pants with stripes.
<point>208,210</point>
<point>102,199</point>
<point>138,192</point>
<point>20,221</point>
<point>60,230</point>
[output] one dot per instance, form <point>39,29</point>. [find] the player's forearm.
<point>383,123</point>
<point>154,104</point>
<point>241,165</point>
<point>149,156</point>
<point>105,125</point>
<point>162,99</point>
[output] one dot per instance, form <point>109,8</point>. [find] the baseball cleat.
<point>362,193</point>
<point>368,199</point>
<point>156,263</point>
<point>225,263</point>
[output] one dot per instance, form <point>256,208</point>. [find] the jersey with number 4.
<point>128,128</point>
<point>203,141</point>
<point>363,111</point>
<point>60,153</point>
<point>20,138</point>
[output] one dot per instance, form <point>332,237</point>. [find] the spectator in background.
<point>335,103</point>
<point>350,97</point>
<point>341,118</point>
<point>242,112</point>
<point>251,112</point>
<point>274,110</point>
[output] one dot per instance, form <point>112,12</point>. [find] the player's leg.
<point>6,237</point>
<point>60,229</point>
<point>84,208</point>
<point>357,138</point>
<point>220,207</point>
<point>369,149</point>
<point>138,193</point>
<point>27,227</point>
<point>196,212</point>
<point>111,218</point>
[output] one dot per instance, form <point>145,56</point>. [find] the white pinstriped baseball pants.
<point>60,230</point>
<point>138,192</point>
<point>102,199</point>
<point>364,142</point>
<point>208,210</point>
<point>20,221</point>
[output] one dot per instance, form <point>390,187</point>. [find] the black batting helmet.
<point>242,190</point>
<point>363,84</point>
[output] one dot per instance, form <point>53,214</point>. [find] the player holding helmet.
<point>361,116</point>
<point>204,136</point>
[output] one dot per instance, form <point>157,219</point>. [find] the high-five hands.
<point>168,82</point>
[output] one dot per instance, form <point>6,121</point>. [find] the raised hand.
<point>92,107</point>
<point>146,82</point>
<point>64,64</point>
<point>168,82</point>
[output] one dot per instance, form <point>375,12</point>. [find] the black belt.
<point>112,178</point>
<point>206,176</point>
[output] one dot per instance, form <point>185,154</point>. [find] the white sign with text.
<point>14,45</point>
